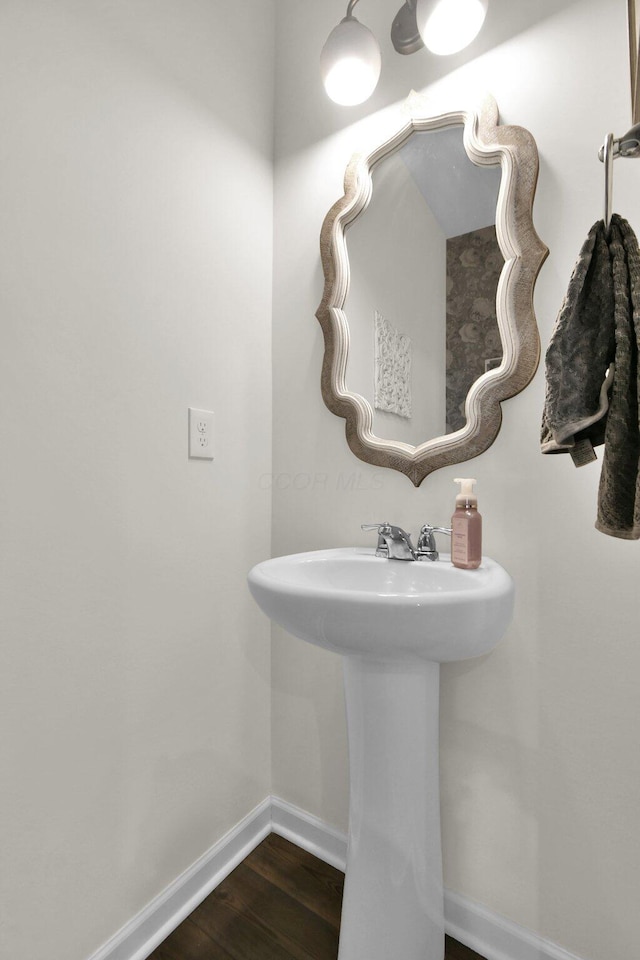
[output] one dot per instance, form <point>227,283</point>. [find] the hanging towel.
<point>592,386</point>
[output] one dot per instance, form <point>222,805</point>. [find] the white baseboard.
<point>493,936</point>
<point>138,938</point>
<point>472,924</point>
<point>306,831</point>
<point>477,927</point>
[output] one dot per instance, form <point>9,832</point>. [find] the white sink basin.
<point>394,622</point>
<point>352,602</point>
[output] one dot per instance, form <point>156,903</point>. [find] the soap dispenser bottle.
<point>466,528</point>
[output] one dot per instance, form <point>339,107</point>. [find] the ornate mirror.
<point>429,260</point>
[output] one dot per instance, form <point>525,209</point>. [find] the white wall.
<point>135,186</point>
<point>135,281</point>
<point>540,763</point>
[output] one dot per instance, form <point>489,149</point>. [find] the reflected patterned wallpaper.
<point>474,264</point>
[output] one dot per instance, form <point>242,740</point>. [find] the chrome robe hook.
<point>607,158</point>
<point>626,146</point>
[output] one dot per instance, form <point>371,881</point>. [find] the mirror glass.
<point>424,265</point>
<point>429,262</point>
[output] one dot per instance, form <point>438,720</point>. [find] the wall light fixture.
<point>350,60</point>
<point>447,26</point>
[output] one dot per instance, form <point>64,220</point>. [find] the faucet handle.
<point>426,549</point>
<point>382,529</point>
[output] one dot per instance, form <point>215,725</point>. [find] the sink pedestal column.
<point>393,897</point>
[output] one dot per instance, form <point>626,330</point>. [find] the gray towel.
<point>592,373</point>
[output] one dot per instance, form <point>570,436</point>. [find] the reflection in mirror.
<point>429,260</point>
<point>424,266</point>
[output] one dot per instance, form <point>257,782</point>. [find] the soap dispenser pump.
<point>466,528</point>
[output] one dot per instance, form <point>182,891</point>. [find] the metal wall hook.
<point>607,159</point>
<point>627,146</point>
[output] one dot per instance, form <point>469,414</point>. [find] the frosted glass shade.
<point>447,26</point>
<point>350,63</point>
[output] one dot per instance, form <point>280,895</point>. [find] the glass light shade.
<point>350,63</point>
<point>447,26</point>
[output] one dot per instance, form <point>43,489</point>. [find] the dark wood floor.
<point>281,903</point>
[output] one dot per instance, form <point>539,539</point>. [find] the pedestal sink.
<point>394,622</point>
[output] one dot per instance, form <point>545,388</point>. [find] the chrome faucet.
<point>394,543</point>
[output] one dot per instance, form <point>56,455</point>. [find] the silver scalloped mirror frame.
<point>486,142</point>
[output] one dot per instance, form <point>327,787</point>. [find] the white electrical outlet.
<point>200,434</point>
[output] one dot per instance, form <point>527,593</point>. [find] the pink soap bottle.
<point>466,528</point>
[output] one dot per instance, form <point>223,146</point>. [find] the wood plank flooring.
<point>280,903</point>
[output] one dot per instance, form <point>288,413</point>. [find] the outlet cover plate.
<point>200,434</point>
